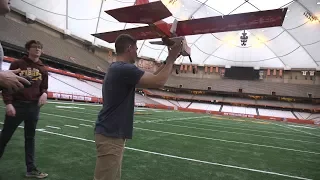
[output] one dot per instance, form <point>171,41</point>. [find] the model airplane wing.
<point>143,13</point>
<point>235,22</point>
<point>140,33</point>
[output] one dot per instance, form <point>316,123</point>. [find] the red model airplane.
<point>152,14</point>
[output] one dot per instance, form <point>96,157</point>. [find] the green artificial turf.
<point>169,145</point>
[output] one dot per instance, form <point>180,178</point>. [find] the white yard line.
<point>170,119</point>
<point>296,130</point>
<point>306,127</point>
<point>158,120</point>
<point>228,141</point>
<point>53,127</point>
<point>183,158</point>
<point>71,126</point>
<point>245,129</point>
<point>69,107</point>
<point>67,117</point>
<point>242,124</point>
<point>79,112</point>
<point>230,132</point>
<point>85,125</point>
<point>188,122</point>
<point>179,119</point>
<point>78,104</point>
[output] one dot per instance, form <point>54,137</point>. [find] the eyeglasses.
<point>36,46</point>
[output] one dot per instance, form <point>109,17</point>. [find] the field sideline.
<point>169,145</point>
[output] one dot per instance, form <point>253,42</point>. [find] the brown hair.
<point>29,43</point>
<point>122,42</point>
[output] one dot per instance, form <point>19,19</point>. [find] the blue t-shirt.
<point>116,116</point>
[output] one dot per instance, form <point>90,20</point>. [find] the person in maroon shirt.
<point>24,105</point>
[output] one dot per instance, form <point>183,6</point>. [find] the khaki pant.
<point>109,157</point>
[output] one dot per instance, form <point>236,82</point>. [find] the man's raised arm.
<point>158,79</point>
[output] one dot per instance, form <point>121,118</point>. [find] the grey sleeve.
<point>1,57</point>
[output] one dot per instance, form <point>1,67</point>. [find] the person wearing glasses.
<point>24,105</point>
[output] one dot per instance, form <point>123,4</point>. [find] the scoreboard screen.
<point>241,73</point>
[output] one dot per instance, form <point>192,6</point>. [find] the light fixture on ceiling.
<point>244,38</point>
<point>318,3</point>
<point>311,17</point>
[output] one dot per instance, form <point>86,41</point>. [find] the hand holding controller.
<point>12,82</point>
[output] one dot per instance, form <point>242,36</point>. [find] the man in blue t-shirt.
<point>115,120</point>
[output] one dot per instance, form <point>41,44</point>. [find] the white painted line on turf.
<point>211,138</point>
<point>53,127</point>
<point>170,119</point>
<point>86,125</point>
<point>240,124</point>
<point>158,120</point>
<point>211,124</point>
<point>302,126</point>
<point>69,107</point>
<point>245,129</point>
<point>179,119</point>
<point>71,126</point>
<point>67,117</point>
<point>79,112</point>
<point>187,159</point>
<point>230,132</point>
<point>78,104</point>
<point>228,141</point>
<point>297,130</point>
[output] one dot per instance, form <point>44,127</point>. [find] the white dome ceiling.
<point>294,45</point>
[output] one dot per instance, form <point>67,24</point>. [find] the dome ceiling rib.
<point>304,7</point>
<point>204,3</point>
<point>301,45</point>
<point>201,5</point>
<point>283,46</point>
<point>272,50</point>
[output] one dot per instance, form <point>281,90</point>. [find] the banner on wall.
<point>140,104</point>
<point>238,114</point>
<point>63,96</point>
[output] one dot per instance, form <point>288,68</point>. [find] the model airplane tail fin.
<point>143,13</point>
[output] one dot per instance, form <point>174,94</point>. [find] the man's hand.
<point>4,7</point>
<point>43,99</point>
<point>10,110</point>
<point>12,82</point>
